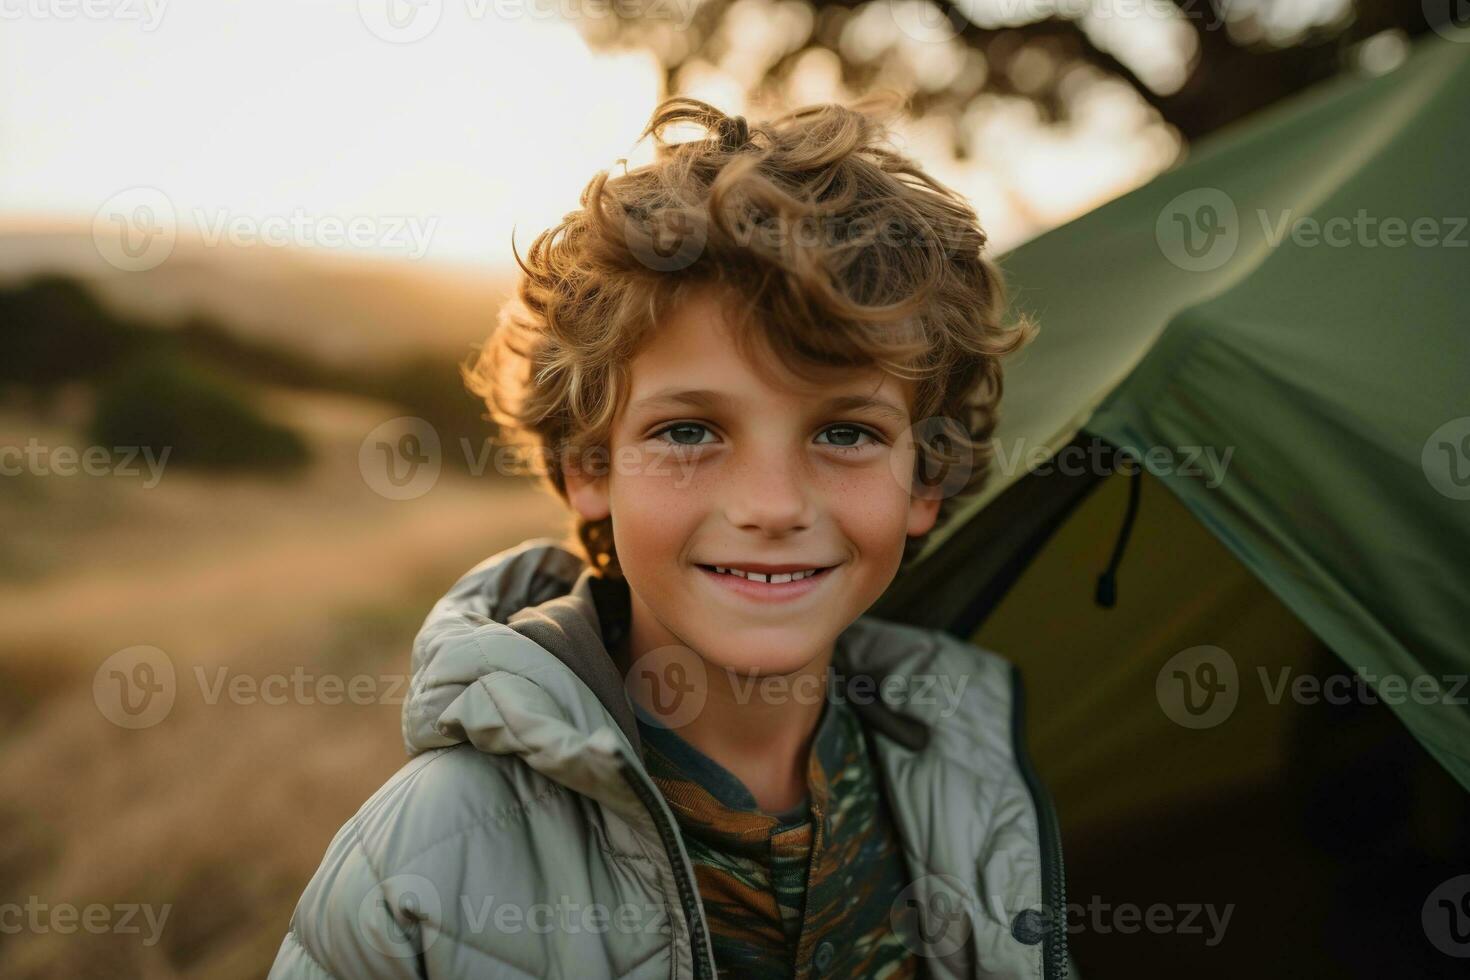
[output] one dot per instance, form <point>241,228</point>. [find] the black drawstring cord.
<point>1107,582</point>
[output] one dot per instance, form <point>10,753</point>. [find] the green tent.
<point>1279,328</point>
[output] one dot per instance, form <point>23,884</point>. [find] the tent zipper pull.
<point>1107,582</point>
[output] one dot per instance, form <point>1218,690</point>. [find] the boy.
<point>678,748</point>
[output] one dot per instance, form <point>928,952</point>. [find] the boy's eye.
<point>848,436</point>
<point>686,428</point>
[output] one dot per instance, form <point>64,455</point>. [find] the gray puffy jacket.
<point>524,838</point>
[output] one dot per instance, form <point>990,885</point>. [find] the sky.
<point>432,127</point>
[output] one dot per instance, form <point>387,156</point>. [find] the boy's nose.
<point>769,494</point>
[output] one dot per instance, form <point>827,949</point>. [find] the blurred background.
<point>244,245</point>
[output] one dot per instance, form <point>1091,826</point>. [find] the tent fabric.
<point>1333,373</point>
<point>1104,291</point>
<point>1323,823</point>
<point>1091,673</point>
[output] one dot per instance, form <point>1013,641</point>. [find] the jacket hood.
<point>527,612</point>
<point>515,659</point>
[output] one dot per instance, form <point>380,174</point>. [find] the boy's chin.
<point>764,656</point>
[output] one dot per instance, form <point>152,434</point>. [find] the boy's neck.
<point>760,729</point>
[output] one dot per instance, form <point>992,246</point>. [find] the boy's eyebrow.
<point>705,398</point>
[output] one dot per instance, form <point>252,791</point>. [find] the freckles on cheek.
<point>656,504</point>
<point>873,508</point>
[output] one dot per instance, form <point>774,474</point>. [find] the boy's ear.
<point>586,492</point>
<point>923,510</point>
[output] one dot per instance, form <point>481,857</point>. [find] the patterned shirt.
<point>800,894</point>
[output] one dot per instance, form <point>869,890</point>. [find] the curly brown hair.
<point>842,251</point>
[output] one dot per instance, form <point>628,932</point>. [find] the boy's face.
<point>762,469</point>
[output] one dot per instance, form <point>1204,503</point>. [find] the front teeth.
<point>774,579</point>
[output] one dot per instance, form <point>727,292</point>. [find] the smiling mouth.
<point>767,587</point>
<point>770,578</point>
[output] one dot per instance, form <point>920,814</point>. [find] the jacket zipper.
<point>704,969</point>
<point>1053,876</point>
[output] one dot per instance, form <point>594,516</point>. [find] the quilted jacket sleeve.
<point>351,923</point>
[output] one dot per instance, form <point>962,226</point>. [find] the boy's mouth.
<point>774,583</point>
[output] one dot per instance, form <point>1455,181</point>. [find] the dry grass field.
<point>208,823</point>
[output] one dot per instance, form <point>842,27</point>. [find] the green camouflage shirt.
<point>801,894</point>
